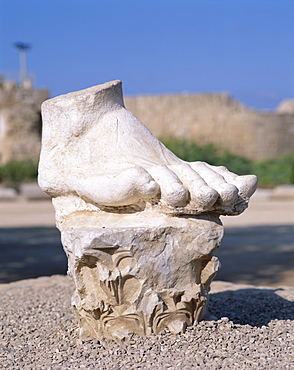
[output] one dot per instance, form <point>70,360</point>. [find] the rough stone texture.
<point>142,280</point>
<point>20,122</point>
<point>138,224</point>
<point>218,119</point>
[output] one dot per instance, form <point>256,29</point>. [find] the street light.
<point>22,48</point>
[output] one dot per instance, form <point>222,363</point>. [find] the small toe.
<point>246,184</point>
<point>228,192</point>
<point>224,172</point>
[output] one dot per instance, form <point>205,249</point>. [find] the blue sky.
<point>244,47</point>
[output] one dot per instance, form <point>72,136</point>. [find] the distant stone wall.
<point>204,118</point>
<point>20,122</point>
<point>217,119</point>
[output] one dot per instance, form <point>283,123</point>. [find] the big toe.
<point>145,184</point>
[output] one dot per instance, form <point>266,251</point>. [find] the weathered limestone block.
<point>144,278</point>
<point>138,224</point>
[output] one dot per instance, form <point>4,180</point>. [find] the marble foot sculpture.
<point>138,224</point>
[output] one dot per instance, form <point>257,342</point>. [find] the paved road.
<point>258,247</point>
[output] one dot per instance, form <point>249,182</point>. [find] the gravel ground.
<point>254,329</point>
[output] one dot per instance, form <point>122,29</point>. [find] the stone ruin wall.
<point>217,119</point>
<point>205,118</point>
<point>20,122</point>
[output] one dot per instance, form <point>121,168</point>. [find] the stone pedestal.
<point>141,280</point>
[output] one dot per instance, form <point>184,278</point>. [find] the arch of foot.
<point>106,172</point>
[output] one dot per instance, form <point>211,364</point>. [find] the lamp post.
<point>22,48</point>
